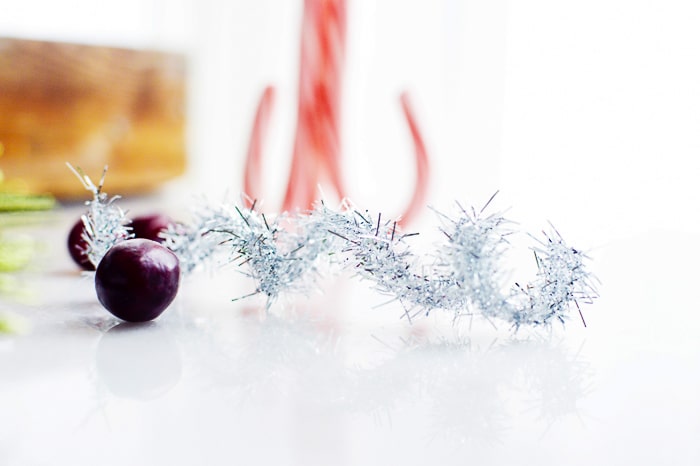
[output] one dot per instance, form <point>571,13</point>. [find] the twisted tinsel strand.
<point>465,277</point>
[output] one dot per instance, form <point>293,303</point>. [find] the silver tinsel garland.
<point>464,276</point>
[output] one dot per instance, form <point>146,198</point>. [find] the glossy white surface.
<point>329,380</point>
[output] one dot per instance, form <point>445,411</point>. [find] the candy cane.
<point>317,145</point>
<point>317,152</point>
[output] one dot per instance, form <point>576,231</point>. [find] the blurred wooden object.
<point>90,106</point>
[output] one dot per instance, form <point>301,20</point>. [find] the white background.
<point>586,114</point>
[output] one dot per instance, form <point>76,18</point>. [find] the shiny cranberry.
<point>150,226</point>
<point>137,279</point>
<point>77,246</point>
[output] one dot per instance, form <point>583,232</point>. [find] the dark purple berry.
<point>150,226</point>
<point>137,279</point>
<point>77,246</point>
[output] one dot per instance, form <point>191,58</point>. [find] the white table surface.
<point>329,380</point>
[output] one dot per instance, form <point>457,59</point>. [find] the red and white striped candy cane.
<point>316,156</point>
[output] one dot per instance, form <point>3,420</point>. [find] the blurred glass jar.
<point>91,106</point>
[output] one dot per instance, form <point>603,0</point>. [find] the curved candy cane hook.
<point>301,186</point>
